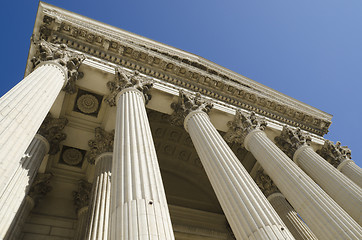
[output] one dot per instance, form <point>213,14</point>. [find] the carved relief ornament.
<point>40,186</point>
<point>125,80</point>
<point>187,103</point>
<point>243,124</point>
<point>82,196</point>
<point>52,129</point>
<point>60,54</point>
<point>335,154</point>
<point>102,143</point>
<point>265,184</point>
<point>290,140</point>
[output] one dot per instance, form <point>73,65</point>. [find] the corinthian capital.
<point>60,54</point>
<point>102,143</point>
<point>335,154</point>
<point>125,80</point>
<point>290,140</point>
<point>188,102</point>
<point>51,129</point>
<point>40,186</point>
<point>265,184</point>
<point>243,124</point>
<point>82,196</point>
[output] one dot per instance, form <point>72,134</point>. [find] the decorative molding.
<point>335,154</point>
<point>265,184</point>
<point>102,143</point>
<point>178,67</point>
<point>290,140</point>
<point>40,186</point>
<point>51,129</point>
<point>82,196</point>
<point>72,156</point>
<point>125,80</point>
<point>59,53</point>
<point>87,103</point>
<point>188,102</point>
<point>243,124</point>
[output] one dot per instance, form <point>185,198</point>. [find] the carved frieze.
<point>59,53</point>
<point>125,80</point>
<point>187,103</point>
<point>290,140</point>
<point>52,129</point>
<point>265,184</point>
<point>102,143</point>
<point>242,124</point>
<point>179,69</point>
<point>82,196</point>
<point>40,187</point>
<point>335,154</point>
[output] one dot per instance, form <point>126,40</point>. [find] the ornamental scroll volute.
<point>335,154</point>
<point>290,140</point>
<point>243,124</point>
<point>125,79</point>
<point>59,53</point>
<point>103,142</point>
<point>187,103</point>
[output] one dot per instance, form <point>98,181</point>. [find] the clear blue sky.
<point>309,50</point>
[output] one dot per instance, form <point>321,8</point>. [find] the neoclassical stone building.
<point>111,135</point>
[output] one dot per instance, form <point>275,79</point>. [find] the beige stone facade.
<point>111,135</point>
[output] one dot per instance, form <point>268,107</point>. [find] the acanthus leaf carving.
<point>335,154</point>
<point>40,187</point>
<point>102,143</point>
<point>188,102</point>
<point>265,184</point>
<point>51,129</point>
<point>243,124</point>
<point>60,54</point>
<point>125,80</point>
<point>82,196</point>
<point>290,140</point>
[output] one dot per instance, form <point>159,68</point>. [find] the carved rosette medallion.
<point>51,129</point>
<point>102,143</point>
<point>265,184</point>
<point>290,140</point>
<point>82,196</point>
<point>59,53</point>
<point>187,103</point>
<point>40,186</point>
<point>335,154</point>
<point>243,124</point>
<point>125,80</point>
<point>72,156</point>
<point>87,103</point>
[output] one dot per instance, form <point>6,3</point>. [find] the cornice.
<point>175,66</point>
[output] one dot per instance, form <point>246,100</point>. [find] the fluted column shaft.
<point>101,193</point>
<point>14,231</point>
<point>249,213</point>
<point>20,183</point>
<point>325,217</point>
<point>351,170</point>
<point>345,192</point>
<point>22,110</point>
<point>81,228</point>
<point>290,217</point>
<point>138,203</point>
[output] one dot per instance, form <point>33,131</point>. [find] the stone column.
<point>340,157</point>
<point>323,215</point>
<point>248,212</point>
<point>100,155</point>
<point>38,190</point>
<point>81,202</point>
<point>138,202</point>
<point>346,193</point>
<point>24,107</point>
<point>285,211</point>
